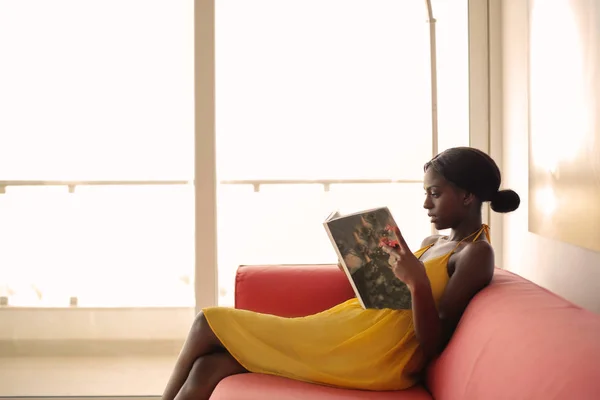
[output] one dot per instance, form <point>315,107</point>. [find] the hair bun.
<point>505,201</point>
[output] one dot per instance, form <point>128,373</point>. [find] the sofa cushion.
<point>268,387</point>
<point>519,341</point>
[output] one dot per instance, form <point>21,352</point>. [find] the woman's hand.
<point>403,262</point>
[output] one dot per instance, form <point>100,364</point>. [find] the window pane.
<point>452,27</point>
<point>108,246</point>
<point>322,88</point>
<point>96,89</point>
<point>328,89</point>
<point>283,224</point>
<point>80,101</point>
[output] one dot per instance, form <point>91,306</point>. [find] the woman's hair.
<point>474,171</point>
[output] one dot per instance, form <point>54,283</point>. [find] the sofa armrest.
<point>290,290</point>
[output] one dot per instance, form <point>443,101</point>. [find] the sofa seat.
<point>268,387</point>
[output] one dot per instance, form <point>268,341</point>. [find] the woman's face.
<point>444,202</point>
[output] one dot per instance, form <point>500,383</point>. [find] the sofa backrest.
<point>290,290</point>
<point>517,340</point>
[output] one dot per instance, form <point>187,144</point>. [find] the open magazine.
<point>357,239</point>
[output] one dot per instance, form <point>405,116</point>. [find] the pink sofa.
<point>515,341</point>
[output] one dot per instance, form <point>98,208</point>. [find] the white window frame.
<point>148,325</point>
<point>485,95</point>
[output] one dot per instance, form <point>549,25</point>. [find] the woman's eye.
<point>436,195</point>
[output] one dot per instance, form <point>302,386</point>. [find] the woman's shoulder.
<point>478,254</point>
<point>475,260</point>
<point>430,240</point>
<point>476,249</point>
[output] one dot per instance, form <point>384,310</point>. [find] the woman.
<point>348,346</point>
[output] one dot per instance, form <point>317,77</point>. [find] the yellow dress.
<point>344,346</point>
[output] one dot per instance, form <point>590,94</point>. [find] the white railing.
<point>73,184</point>
<point>270,221</point>
<point>103,243</point>
<point>257,183</point>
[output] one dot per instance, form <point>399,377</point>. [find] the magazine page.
<point>357,239</point>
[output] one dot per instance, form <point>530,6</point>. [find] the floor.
<point>79,376</point>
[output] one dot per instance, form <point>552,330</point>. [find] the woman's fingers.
<point>401,241</point>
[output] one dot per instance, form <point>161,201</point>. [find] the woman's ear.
<point>469,198</point>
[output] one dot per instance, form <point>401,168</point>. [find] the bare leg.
<point>206,373</point>
<point>200,341</point>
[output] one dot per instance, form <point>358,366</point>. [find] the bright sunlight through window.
<point>98,95</point>
<point>320,103</point>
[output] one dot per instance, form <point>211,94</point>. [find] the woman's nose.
<point>427,204</point>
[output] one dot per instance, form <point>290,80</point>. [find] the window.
<point>319,105</point>
<point>97,98</point>
<point>98,93</point>
<point>96,174</point>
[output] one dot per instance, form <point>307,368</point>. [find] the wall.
<point>567,270</point>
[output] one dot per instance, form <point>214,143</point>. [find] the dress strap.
<point>422,250</point>
<point>484,229</point>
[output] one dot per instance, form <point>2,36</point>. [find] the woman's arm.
<point>474,268</point>
<point>428,325</point>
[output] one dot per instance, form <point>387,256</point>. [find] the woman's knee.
<point>201,330</point>
<point>200,323</point>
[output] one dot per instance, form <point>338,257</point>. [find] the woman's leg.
<point>206,373</point>
<point>200,341</point>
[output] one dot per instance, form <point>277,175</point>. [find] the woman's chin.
<point>440,226</point>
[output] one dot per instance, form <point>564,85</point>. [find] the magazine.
<point>357,239</point>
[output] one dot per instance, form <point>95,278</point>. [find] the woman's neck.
<point>465,229</point>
